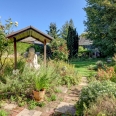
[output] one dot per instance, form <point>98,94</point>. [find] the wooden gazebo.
<point>25,33</point>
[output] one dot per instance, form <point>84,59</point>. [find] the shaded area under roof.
<point>29,32</point>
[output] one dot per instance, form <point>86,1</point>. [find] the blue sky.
<point>40,13</point>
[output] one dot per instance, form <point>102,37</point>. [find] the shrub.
<point>17,85</point>
<point>66,73</point>
<point>4,43</point>
<point>59,49</point>
<point>104,105</point>
<point>113,78</point>
<point>92,67</point>
<point>99,64</point>
<point>3,113</point>
<point>92,91</point>
<point>107,73</point>
<point>114,58</point>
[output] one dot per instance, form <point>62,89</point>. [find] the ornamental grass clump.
<point>92,91</point>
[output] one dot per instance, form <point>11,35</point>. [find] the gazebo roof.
<point>29,32</point>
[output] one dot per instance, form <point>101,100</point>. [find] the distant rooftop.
<point>84,41</point>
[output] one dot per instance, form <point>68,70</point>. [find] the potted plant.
<point>41,83</point>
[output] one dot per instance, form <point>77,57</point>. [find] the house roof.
<point>29,31</point>
<point>84,41</point>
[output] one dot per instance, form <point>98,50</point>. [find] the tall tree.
<point>64,29</point>
<point>53,31</point>
<point>72,42</point>
<point>101,24</point>
<point>4,48</point>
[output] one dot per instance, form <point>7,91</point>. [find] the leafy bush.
<point>114,58</point>
<point>18,84</point>
<point>104,106</point>
<point>107,73</point>
<point>92,67</point>
<point>4,43</point>
<point>43,79</point>
<point>84,53</point>
<point>113,78</point>
<point>66,73</point>
<point>19,87</point>
<point>59,49</point>
<point>92,91</point>
<point>99,64</point>
<point>3,113</point>
<point>81,50</point>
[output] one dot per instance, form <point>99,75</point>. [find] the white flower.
<point>16,23</point>
<point>15,72</point>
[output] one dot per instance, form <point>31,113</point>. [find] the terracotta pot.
<point>39,95</point>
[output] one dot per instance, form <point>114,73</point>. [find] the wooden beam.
<point>45,52</point>
<point>15,54</point>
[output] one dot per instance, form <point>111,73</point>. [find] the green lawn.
<point>82,66</point>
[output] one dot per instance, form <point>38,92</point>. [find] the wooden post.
<point>15,54</point>
<point>45,52</point>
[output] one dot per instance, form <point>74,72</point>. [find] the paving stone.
<point>18,109</point>
<point>9,106</point>
<point>83,84</point>
<point>14,114</point>
<point>24,112</point>
<point>63,89</point>
<point>27,112</point>
<point>37,113</point>
<point>64,107</point>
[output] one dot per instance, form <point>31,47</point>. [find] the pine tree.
<point>64,29</point>
<point>53,31</point>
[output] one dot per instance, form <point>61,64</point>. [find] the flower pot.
<point>39,95</point>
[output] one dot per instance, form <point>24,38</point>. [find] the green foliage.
<point>4,44</point>
<point>22,84</point>
<point>9,25</point>
<point>92,91</point>
<point>64,29</point>
<point>72,42</point>
<point>101,16</point>
<point>66,74</point>
<point>84,35</point>
<point>53,31</point>
<point>114,58</point>
<point>82,51</point>
<point>52,97</point>
<point>41,104</point>
<point>18,88</point>
<point>37,47</point>
<point>32,104</point>
<point>92,67</point>
<point>99,64</point>
<point>59,49</point>
<point>83,66</point>
<point>43,79</point>
<point>91,77</point>
<point>3,113</point>
<point>57,90</point>
<point>113,78</point>
<point>103,106</point>
<point>3,49</point>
